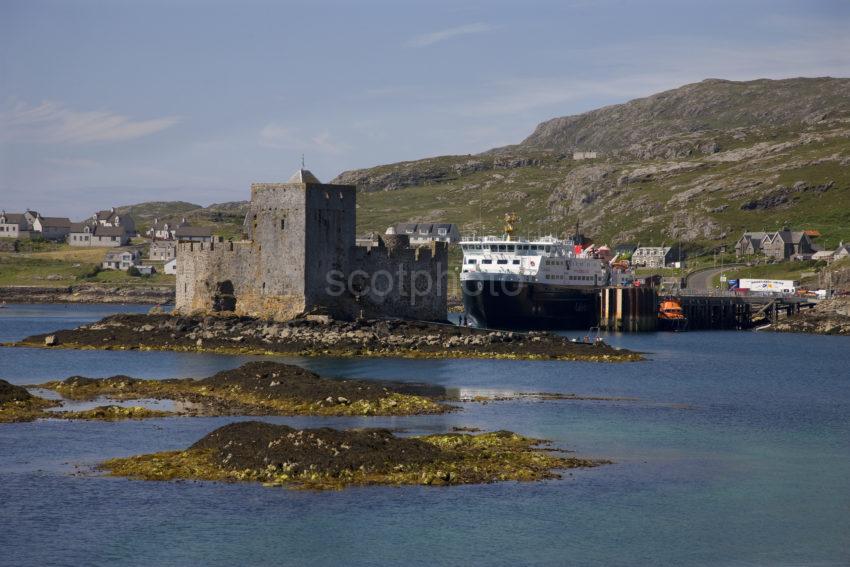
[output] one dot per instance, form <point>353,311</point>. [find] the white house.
<point>52,228</point>
<point>120,259</point>
<point>94,235</point>
<point>170,267</point>
<point>425,232</point>
<point>14,225</point>
<point>113,219</point>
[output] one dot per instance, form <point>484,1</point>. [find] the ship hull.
<point>501,304</point>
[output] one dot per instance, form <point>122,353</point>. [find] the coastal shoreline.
<point>88,294</point>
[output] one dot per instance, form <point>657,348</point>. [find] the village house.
<point>653,256</point>
<point>784,244</point>
<point>52,228</point>
<point>426,232</point>
<point>31,224</point>
<point>162,230</point>
<point>14,225</point>
<point>159,230</point>
<point>113,219</point>
<point>120,259</point>
<point>188,233</point>
<point>170,267</point>
<point>825,255</point>
<point>96,235</point>
<point>163,250</point>
<point>843,251</point>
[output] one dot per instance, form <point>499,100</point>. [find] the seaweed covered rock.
<point>17,404</point>
<point>257,445</point>
<point>318,336</point>
<point>112,413</point>
<point>267,388</point>
<point>327,458</point>
<point>11,393</point>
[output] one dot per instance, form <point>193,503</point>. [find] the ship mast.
<point>510,219</point>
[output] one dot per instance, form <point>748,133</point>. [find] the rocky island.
<point>17,404</point>
<point>278,455</point>
<point>320,336</point>
<point>264,388</point>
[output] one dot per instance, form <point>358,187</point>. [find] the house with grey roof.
<point>843,251</point>
<point>96,235</point>
<point>120,259</point>
<point>653,256</point>
<point>749,243</point>
<point>783,244</point>
<point>113,219</point>
<point>188,233</point>
<point>52,228</point>
<point>14,225</point>
<point>426,232</point>
<point>163,250</point>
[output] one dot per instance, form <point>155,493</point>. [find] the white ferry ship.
<point>543,283</point>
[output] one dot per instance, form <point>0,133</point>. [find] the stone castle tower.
<point>299,255</point>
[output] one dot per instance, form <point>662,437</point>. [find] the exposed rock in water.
<point>413,339</point>
<point>17,404</point>
<point>328,458</point>
<point>828,317</point>
<point>265,388</point>
<point>11,393</point>
<point>111,413</point>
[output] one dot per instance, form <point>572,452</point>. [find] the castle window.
<point>282,224</point>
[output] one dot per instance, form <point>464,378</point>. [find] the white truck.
<point>770,286</point>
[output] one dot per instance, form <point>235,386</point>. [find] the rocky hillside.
<point>698,164</point>
<point>693,115</point>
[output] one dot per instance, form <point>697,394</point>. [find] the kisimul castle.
<point>298,255</point>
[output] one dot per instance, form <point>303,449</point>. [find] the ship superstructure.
<point>530,283</point>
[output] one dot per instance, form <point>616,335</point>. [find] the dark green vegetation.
<point>326,458</point>
<point>264,388</point>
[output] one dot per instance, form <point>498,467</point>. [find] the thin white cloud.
<point>279,137</point>
<point>53,123</point>
<point>427,39</point>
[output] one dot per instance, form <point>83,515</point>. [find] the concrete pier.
<point>630,309</point>
<point>707,312</point>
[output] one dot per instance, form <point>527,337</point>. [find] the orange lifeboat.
<point>671,317</point>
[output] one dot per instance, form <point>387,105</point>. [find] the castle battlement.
<point>298,255</point>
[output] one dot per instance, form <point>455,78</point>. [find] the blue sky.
<point>112,102</point>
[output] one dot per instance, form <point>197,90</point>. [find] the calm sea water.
<point>737,452</point>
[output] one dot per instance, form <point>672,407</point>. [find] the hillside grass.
<point>67,266</point>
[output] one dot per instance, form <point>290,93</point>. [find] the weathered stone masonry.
<point>299,256</point>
